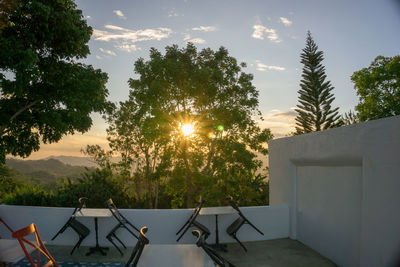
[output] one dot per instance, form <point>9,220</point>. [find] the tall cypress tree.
<point>314,112</point>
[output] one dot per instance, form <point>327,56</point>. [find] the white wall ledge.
<point>162,224</point>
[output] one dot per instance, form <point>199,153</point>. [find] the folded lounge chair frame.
<point>235,226</point>
<point>122,223</point>
<point>77,226</point>
<point>137,251</point>
<point>217,259</point>
<point>192,222</point>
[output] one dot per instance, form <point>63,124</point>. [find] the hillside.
<point>45,171</point>
<point>75,161</point>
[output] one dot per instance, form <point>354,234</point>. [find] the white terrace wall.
<point>162,224</point>
<point>343,190</point>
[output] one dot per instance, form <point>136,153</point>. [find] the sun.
<point>187,129</point>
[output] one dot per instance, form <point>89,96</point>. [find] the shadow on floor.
<point>271,253</point>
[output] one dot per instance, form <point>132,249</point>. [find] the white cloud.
<point>125,39</point>
<point>286,21</point>
<point>274,111</point>
<point>88,17</point>
<point>197,40</point>
<point>108,52</point>
<point>264,67</point>
<point>113,27</point>
<point>186,37</point>
<point>280,123</point>
<point>127,47</point>
<point>119,14</point>
<point>172,13</point>
<point>205,28</point>
<point>259,31</point>
<point>289,114</point>
<point>98,57</point>
<point>131,35</point>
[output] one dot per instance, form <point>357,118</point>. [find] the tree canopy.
<point>314,112</point>
<point>349,118</point>
<point>378,88</point>
<point>205,90</point>
<point>45,92</point>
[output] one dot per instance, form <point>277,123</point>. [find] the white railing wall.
<point>162,224</point>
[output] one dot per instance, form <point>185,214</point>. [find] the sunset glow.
<point>187,129</point>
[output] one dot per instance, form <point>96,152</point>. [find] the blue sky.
<point>267,35</point>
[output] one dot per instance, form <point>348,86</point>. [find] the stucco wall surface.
<point>342,188</point>
<point>162,224</point>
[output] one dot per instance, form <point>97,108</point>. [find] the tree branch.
<point>210,155</point>
<point>3,128</point>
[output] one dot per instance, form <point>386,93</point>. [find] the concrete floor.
<point>278,252</point>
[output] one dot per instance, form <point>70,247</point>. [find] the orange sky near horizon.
<point>280,123</point>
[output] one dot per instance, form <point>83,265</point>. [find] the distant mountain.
<point>80,161</point>
<point>45,171</point>
<point>75,161</point>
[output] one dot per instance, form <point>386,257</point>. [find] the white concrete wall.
<point>322,215</point>
<point>343,190</point>
<point>162,224</point>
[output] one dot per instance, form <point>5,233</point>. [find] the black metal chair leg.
<point>115,245</point>
<point>54,237</point>
<point>76,245</point>
<point>182,228</point>
<point>60,231</point>
<point>130,231</point>
<point>252,225</point>
<point>179,238</point>
<point>134,227</point>
<point>240,243</point>
<point>134,252</point>
<point>119,240</point>
<point>135,262</point>
<point>122,254</point>
<point>213,256</point>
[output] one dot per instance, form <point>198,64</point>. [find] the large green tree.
<point>44,92</point>
<point>314,111</point>
<point>378,88</point>
<point>204,89</point>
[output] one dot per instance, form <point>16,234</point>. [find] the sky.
<point>267,35</point>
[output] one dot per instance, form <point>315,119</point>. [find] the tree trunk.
<point>156,196</point>
<point>210,155</point>
<point>189,201</point>
<point>149,187</point>
<point>189,187</point>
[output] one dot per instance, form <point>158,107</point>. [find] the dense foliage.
<point>20,192</point>
<point>44,92</point>
<point>97,185</point>
<point>314,112</point>
<point>378,88</point>
<point>101,184</point>
<point>204,89</point>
